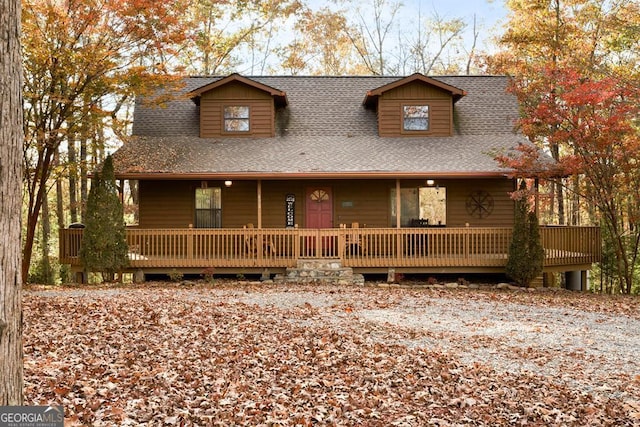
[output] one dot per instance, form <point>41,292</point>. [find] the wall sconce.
<point>228,183</point>
<point>430,182</point>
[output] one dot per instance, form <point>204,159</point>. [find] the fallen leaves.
<point>230,356</point>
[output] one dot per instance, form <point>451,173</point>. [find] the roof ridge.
<point>201,76</point>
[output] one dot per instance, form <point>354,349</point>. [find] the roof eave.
<point>373,95</point>
<point>279,96</point>
<point>310,175</point>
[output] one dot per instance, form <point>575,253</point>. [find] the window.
<point>130,202</point>
<point>208,208</point>
<point>415,117</point>
<point>433,204</point>
<point>420,206</point>
<point>236,118</point>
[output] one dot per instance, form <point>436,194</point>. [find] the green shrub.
<point>104,245</point>
<point>175,275</point>
<point>526,254</point>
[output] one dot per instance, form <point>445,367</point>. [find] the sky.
<point>489,13</point>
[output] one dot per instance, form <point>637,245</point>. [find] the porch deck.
<point>460,250</point>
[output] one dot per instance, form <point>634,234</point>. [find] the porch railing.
<point>446,247</point>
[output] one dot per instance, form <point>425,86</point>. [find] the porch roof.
<point>325,131</point>
<point>326,156</point>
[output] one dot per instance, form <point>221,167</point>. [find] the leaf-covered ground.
<point>250,354</point>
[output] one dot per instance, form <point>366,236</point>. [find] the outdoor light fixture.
<point>430,182</point>
<point>228,183</point>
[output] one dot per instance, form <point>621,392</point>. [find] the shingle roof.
<point>324,130</point>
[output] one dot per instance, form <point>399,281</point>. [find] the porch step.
<point>320,271</point>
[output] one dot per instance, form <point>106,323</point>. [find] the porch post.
<point>397,203</point>
<point>259,203</point>
<point>398,215</point>
<point>537,197</point>
<point>121,191</point>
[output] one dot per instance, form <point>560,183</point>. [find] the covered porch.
<point>366,250</point>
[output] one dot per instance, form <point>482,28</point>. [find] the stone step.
<point>354,279</point>
<point>322,263</point>
<point>320,271</point>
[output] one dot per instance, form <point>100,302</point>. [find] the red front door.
<point>319,208</point>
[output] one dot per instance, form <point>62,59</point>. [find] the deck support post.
<point>584,280</point>
<point>266,275</point>
<point>391,275</point>
<point>138,276</point>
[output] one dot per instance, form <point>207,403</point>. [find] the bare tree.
<point>369,36</point>
<point>11,140</point>
<point>472,52</point>
<point>434,37</point>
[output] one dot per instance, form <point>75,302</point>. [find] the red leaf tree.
<point>596,119</point>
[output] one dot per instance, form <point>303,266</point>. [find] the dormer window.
<point>414,106</point>
<point>415,118</point>
<point>236,107</point>
<point>236,118</point>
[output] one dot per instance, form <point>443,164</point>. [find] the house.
<point>376,174</point>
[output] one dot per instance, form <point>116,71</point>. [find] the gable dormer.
<point>236,106</point>
<point>414,106</point>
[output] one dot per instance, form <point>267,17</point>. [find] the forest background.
<point>574,64</point>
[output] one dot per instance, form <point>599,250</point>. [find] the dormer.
<point>414,106</point>
<point>236,106</point>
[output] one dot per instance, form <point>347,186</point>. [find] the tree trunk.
<point>37,195</point>
<point>73,180</point>
<point>59,197</point>
<point>45,219</point>
<point>575,201</point>
<point>11,141</point>
<point>83,177</point>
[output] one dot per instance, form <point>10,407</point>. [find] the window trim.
<point>417,103</point>
<point>225,119</point>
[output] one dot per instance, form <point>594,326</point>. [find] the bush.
<point>175,276</point>
<point>526,254</point>
<point>104,245</point>
<point>207,274</point>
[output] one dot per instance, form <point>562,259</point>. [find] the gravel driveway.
<point>593,351</point>
<point>587,343</point>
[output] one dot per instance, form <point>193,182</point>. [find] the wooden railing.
<point>466,247</point>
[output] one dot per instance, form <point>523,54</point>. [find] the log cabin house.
<point>375,174</point>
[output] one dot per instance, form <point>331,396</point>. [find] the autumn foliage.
<point>260,355</point>
<point>83,61</point>
<point>593,119</point>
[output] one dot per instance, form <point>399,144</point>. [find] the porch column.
<point>121,191</point>
<point>536,184</point>
<point>259,203</point>
<point>398,215</point>
<point>398,203</point>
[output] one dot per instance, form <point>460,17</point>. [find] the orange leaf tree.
<point>84,60</point>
